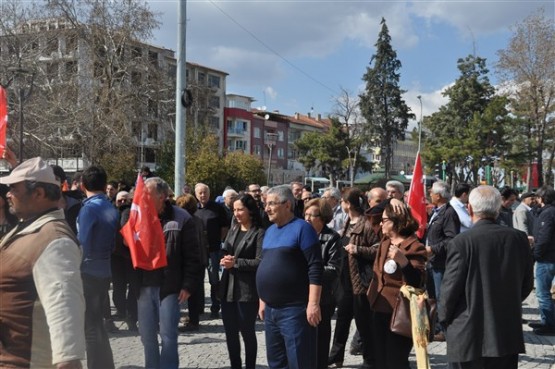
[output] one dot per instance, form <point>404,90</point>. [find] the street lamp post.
<point>271,139</point>
<point>420,125</point>
<point>21,77</point>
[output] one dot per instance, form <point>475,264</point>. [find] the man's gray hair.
<point>283,193</point>
<point>398,185</point>
<point>334,192</point>
<point>442,189</point>
<point>161,186</point>
<point>485,202</point>
<point>202,185</point>
<point>228,192</point>
<point>264,189</point>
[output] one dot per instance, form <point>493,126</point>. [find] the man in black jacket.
<point>544,254</point>
<point>488,274</point>
<point>162,290</point>
<point>443,226</point>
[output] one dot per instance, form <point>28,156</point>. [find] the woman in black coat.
<point>243,249</point>
<point>318,213</point>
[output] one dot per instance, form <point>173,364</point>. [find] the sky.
<point>296,55</point>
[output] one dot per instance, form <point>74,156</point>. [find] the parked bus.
<point>317,184</point>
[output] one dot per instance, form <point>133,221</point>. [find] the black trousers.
<point>391,350</point>
<point>343,321</point>
<point>99,352</point>
<point>503,362</point>
<point>195,303</point>
<point>123,295</point>
<point>324,335</point>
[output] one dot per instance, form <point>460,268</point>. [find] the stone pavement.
<point>207,348</point>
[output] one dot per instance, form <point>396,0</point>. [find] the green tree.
<point>527,68</point>
<point>468,131</point>
<point>325,152</point>
<point>386,113</point>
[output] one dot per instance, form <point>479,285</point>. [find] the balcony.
<point>236,132</point>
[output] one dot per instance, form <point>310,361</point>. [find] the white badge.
<point>390,266</point>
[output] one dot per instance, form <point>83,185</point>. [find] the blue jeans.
<point>291,343</point>
<point>214,279</point>
<point>155,315</point>
<point>240,317</point>
<point>545,272</point>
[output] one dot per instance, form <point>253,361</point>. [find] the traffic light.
<point>437,170</point>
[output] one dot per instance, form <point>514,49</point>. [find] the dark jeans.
<point>123,294</point>
<point>343,323</point>
<point>195,303</point>
<point>504,362</point>
<point>363,320</point>
<point>324,335</point>
<point>290,340</point>
<point>214,279</point>
<point>240,317</point>
<point>391,351</point>
<point>99,352</point>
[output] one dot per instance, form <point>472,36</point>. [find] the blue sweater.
<point>291,261</point>
<point>97,224</point>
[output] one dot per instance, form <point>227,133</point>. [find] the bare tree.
<point>527,66</point>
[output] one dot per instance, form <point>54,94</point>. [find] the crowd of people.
<point>283,254</point>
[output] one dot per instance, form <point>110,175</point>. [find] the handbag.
<point>401,323</point>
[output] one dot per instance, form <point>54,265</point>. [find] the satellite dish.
<point>267,116</point>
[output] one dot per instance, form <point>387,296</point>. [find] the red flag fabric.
<point>143,232</point>
<point>3,119</point>
<point>417,198</point>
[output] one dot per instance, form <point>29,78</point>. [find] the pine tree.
<point>382,105</point>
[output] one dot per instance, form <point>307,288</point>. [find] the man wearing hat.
<point>42,306</point>
<point>523,218</point>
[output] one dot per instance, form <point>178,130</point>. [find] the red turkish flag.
<point>143,232</point>
<point>3,119</point>
<point>417,198</point>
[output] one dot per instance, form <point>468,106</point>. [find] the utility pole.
<point>180,87</point>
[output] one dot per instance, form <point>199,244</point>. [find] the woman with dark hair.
<point>239,298</point>
<point>400,259</point>
<point>7,219</point>
<point>318,213</point>
<point>358,238</point>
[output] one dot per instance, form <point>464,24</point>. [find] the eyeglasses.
<point>385,220</point>
<point>275,203</point>
<point>309,215</point>
<point>307,199</point>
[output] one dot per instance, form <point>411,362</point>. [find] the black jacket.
<point>544,235</point>
<point>489,272</point>
<point>442,229</point>
<point>330,241</point>
<point>239,282</point>
<point>184,267</point>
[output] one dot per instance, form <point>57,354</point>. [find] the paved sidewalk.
<point>207,348</point>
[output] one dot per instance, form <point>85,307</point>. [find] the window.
<point>280,135</point>
<point>153,58</point>
<point>71,43</point>
<point>256,132</point>
<point>280,152</point>
<point>214,102</point>
<point>153,131</point>
<point>51,46</point>
<point>201,78</point>
<point>215,123</point>
<point>150,155</point>
<point>213,81</point>
<point>256,149</point>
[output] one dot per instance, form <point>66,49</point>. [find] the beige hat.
<point>35,169</point>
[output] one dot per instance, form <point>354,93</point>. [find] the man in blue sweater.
<point>289,283</point>
<point>97,224</point>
